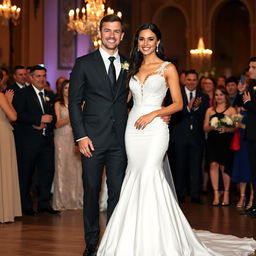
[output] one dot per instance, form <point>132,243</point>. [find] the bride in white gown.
<point>147,220</point>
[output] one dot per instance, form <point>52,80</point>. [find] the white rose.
<point>214,122</point>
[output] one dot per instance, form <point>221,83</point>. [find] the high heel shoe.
<point>241,202</point>
<point>225,201</point>
<point>216,200</point>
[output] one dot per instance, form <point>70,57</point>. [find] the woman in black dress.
<point>219,138</point>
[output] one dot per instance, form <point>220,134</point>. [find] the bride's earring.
<point>138,49</point>
<point>157,48</point>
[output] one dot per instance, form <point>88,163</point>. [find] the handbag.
<point>235,142</point>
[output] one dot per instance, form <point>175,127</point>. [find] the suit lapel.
<point>33,94</point>
<point>185,98</point>
<point>101,69</point>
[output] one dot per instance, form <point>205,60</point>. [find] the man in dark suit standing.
<point>249,99</point>
<point>20,77</point>
<point>98,81</point>
<point>187,138</point>
<point>34,141</point>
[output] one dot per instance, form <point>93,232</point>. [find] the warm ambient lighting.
<point>86,20</point>
<point>201,51</point>
<point>9,11</point>
<point>201,57</point>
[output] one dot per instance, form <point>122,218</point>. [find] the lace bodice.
<point>152,91</point>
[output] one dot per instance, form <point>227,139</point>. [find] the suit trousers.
<point>39,157</point>
<point>188,167</point>
<point>111,155</point>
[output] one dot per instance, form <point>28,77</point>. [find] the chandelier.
<point>86,20</point>
<point>9,11</point>
<point>201,57</point>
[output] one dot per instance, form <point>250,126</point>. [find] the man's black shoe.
<point>248,211</point>
<point>29,212</point>
<point>48,210</point>
<point>90,250</point>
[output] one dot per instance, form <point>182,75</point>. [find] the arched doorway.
<point>231,38</point>
<point>172,24</point>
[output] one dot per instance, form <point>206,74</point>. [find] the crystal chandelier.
<point>201,57</point>
<point>9,11</point>
<point>201,51</point>
<point>86,20</point>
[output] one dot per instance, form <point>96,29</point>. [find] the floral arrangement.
<point>237,118</point>
<point>225,121</point>
<point>125,66</point>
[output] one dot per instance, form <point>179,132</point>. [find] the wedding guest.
<point>218,149</point>
<point>10,206</point>
<point>187,137</point>
<point>20,77</point>
<point>207,86</point>
<point>34,141</point>
<point>68,187</point>
<point>249,99</point>
<point>221,81</point>
<point>241,172</point>
<point>5,80</point>
<point>59,81</point>
<point>231,86</point>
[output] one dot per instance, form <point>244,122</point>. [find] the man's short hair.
<point>110,18</point>
<point>191,71</point>
<point>37,67</point>
<point>18,67</point>
<point>231,79</point>
<point>253,59</point>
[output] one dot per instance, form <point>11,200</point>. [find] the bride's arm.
<point>129,96</point>
<point>172,78</point>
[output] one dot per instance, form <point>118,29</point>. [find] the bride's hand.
<point>143,121</point>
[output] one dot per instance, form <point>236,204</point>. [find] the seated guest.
<point>218,142</point>
<point>19,76</point>
<point>68,187</point>
<point>34,141</point>
<point>10,206</point>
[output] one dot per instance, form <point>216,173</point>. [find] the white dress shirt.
<point>117,61</point>
<point>38,96</point>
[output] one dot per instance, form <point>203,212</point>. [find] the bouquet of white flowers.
<point>225,121</point>
<point>237,118</point>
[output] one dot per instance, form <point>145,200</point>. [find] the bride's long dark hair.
<point>136,57</point>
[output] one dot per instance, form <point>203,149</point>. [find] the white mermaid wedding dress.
<point>147,220</point>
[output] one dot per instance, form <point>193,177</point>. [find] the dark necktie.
<point>190,96</point>
<point>41,94</point>
<point>112,71</point>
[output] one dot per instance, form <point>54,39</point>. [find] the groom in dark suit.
<point>98,114</point>
<point>34,141</point>
<point>188,139</point>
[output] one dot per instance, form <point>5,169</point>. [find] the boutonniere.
<point>125,66</point>
<point>47,98</point>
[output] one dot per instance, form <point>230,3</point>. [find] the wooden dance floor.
<point>50,235</point>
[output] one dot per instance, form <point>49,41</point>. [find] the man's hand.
<point>86,147</point>
<point>41,127</point>
<point>197,102</point>
<point>166,119</point>
<point>246,97</point>
<point>190,104</point>
<point>46,118</point>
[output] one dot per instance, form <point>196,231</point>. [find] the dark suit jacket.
<point>14,87</point>
<point>29,113</point>
<point>251,108</point>
<point>182,121</point>
<point>103,110</point>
